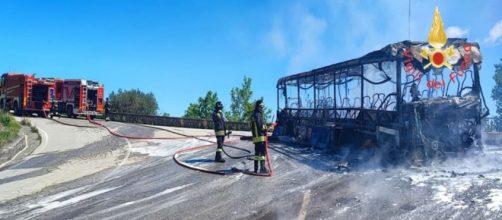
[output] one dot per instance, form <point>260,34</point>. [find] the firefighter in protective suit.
<point>107,109</point>
<point>259,131</point>
<point>54,106</point>
<point>220,128</point>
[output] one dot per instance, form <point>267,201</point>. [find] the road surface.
<point>86,173</point>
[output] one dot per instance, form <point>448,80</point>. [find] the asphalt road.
<point>86,173</point>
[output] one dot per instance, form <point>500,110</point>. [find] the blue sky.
<point>181,49</point>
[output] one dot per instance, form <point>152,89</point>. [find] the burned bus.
<point>410,101</point>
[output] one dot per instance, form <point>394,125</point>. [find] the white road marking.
<point>305,204</point>
<point>56,204</point>
<point>14,157</point>
<point>9,173</point>
<point>167,191</point>
<point>55,197</point>
<point>45,139</point>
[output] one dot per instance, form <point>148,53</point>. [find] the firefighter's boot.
<point>256,166</point>
<point>218,158</point>
<point>263,168</point>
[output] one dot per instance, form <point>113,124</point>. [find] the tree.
<point>497,95</point>
<point>240,101</point>
<point>133,101</point>
<point>204,107</point>
<point>242,107</point>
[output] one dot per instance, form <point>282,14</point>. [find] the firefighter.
<point>54,108</point>
<point>107,109</point>
<point>259,131</point>
<point>220,128</point>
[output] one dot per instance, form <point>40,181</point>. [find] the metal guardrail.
<point>174,121</point>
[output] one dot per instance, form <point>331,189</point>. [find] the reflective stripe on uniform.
<point>258,158</point>
<point>220,133</point>
<point>258,139</point>
<point>219,150</point>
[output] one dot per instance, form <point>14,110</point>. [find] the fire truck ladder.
<point>84,98</point>
<point>29,89</point>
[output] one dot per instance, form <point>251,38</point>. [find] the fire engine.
<point>79,97</point>
<point>25,94</point>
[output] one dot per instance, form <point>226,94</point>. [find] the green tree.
<point>242,104</point>
<point>497,95</point>
<point>240,98</point>
<point>133,101</point>
<point>204,107</point>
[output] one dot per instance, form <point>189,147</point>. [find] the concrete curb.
<point>7,153</point>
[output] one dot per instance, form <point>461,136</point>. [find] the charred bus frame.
<point>390,99</point>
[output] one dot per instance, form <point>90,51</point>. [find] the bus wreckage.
<point>408,102</point>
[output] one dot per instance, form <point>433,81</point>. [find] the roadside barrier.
<point>174,121</point>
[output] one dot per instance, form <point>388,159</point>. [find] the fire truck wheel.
<point>17,111</point>
<point>69,111</point>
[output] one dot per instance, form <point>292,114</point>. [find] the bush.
<point>25,122</point>
<point>133,102</point>
<point>9,128</point>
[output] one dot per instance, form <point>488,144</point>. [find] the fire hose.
<point>219,172</point>
<point>184,136</point>
<point>68,124</point>
<point>176,154</point>
<point>198,138</point>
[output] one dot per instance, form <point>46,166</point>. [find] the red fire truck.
<point>25,94</point>
<point>79,97</point>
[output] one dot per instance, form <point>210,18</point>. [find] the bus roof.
<point>391,52</point>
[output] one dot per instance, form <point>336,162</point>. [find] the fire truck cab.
<point>25,94</point>
<point>80,97</point>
